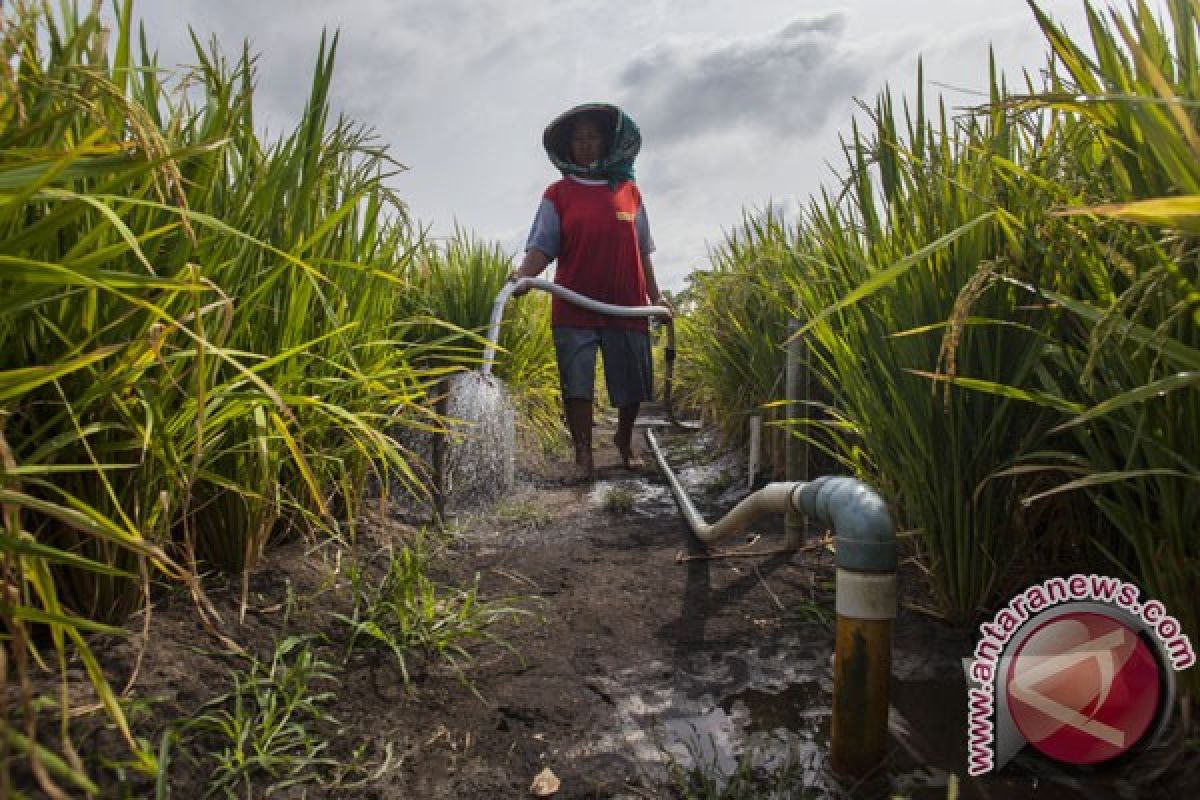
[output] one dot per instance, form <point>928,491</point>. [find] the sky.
<point>740,104</point>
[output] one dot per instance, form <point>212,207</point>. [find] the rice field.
<point>208,340</point>
<point>1000,309</point>
<point>204,336</point>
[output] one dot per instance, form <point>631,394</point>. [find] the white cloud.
<point>739,104</point>
<point>784,82</point>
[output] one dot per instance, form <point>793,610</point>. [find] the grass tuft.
<point>409,614</point>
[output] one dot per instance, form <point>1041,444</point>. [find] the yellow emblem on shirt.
<point>625,216</point>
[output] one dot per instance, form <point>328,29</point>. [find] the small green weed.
<point>522,513</point>
<point>267,728</point>
<point>724,480</point>
<point>748,781</point>
<point>709,783</point>
<point>619,498</point>
<point>803,611</point>
<point>408,613</point>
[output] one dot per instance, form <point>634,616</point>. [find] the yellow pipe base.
<point>861,675</point>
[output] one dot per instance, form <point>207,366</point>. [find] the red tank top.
<point>599,256</point>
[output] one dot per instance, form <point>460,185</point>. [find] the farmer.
<point>593,222</point>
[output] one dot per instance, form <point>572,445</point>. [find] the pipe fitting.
<point>865,534</point>
<point>865,595</point>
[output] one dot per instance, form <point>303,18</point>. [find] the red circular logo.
<point>1083,688</point>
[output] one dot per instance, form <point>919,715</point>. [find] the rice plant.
<point>904,288</point>
<point>874,273</point>
<point>1127,377</point>
<point>731,355</point>
<point>1001,308</point>
<point>82,313</point>
<point>198,345</point>
<point>317,300</point>
<point>1117,281</point>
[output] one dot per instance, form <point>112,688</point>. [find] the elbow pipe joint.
<point>863,529</point>
<point>865,536</point>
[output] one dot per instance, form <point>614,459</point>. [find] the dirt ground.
<point>605,592</point>
<point>633,663</point>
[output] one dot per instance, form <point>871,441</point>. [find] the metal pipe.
<point>865,545</point>
<point>795,450</point>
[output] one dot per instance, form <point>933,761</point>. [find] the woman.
<point>593,223</point>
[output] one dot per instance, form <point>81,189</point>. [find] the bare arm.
<point>656,297</point>
<point>534,264</point>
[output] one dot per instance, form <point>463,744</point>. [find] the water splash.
<point>481,449</point>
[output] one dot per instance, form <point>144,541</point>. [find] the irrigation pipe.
<point>563,293</point>
<point>865,556</point>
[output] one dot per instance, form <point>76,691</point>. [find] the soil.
<point>634,666</point>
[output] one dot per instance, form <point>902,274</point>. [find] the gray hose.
<point>563,293</point>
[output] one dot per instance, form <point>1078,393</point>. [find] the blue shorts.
<point>628,370</point>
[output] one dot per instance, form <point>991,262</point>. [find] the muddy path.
<point>618,680</point>
<point>641,660</point>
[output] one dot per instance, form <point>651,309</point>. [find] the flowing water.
<point>478,453</point>
<point>479,464</point>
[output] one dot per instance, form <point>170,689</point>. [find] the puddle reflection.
<point>772,707</point>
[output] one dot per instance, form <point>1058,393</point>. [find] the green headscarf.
<point>625,140</point>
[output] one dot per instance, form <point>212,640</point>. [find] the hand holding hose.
<point>515,276</point>
<point>665,303</point>
<point>534,264</point>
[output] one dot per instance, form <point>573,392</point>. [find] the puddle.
<point>798,707</point>
<point>708,739</point>
<point>772,707</point>
<point>709,710</point>
<point>634,496</point>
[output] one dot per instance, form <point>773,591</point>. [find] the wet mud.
<point>647,662</point>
